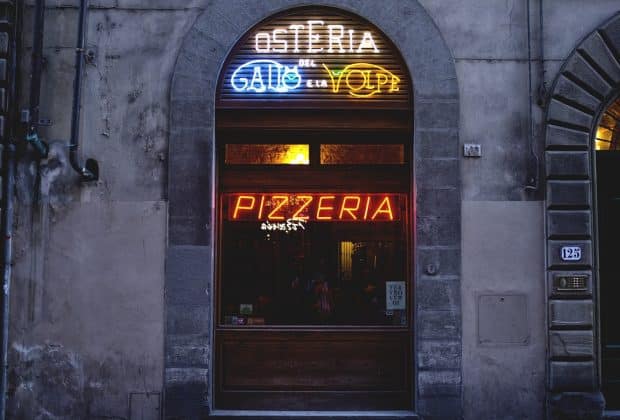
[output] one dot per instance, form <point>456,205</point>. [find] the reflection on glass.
<point>326,274</point>
<point>362,154</point>
<point>267,154</point>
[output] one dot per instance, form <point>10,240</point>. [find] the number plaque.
<point>570,253</point>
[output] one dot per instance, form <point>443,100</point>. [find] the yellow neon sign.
<point>363,80</point>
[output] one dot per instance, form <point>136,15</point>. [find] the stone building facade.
<point>114,286</point>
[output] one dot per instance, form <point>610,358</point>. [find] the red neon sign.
<point>357,207</point>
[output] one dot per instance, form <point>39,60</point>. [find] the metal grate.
<point>571,283</point>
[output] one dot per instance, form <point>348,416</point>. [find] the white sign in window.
<point>395,296</point>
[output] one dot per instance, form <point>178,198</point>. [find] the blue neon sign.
<point>260,76</point>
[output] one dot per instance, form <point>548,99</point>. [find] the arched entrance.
<point>313,256</point>
<point>581,226</point>
<point>435,194</point>
<point>607,164</point>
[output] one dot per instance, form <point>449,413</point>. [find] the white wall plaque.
<point>570,253</point>
<point>395,296</point>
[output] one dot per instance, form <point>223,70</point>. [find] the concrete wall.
<point>87,306</point>
<point>503,230</point>
<point>87,314</point>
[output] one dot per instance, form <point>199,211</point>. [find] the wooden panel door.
<point>313,370</point>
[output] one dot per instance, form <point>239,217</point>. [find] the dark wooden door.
<point>313,370</point>
<point>608,200</point>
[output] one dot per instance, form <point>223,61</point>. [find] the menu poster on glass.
<point>395,297</point>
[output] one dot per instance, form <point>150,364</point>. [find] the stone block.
<point>182,376</point>
<point>562,136</point>
<point>572,376</point>
<point>583,71</point>
<point>192,86</point>
<point>576,344</point>
<point>190,113</point>
<point>190,230</point>
<point>573,93</point>
<point>187,351</point>
<point>437,293</point>
<point>433,144</point>
<point>438,173</point>
<point>571,313</point>
<point>611,34</point>
<point>577,194</point>
<point>439,383</point>
<point>438,355</point>
<point>191,146</point>
<point>567,164</point>
<point>554,253</point>
<point>444,262</point>
<point>444,408</point>
<point>576,405</point>
<point>189,274</point>
<point>186,393</point>
<point>443,202</point>
<point>433,231</point>
<point>567,115</point>
<point>185,319</point>
<point>436,114</point>
<point>436,325</point>
<point>594,47</point>
<point>562,223</point>
<point>4,43</point>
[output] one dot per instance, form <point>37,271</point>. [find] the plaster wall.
<point>88,291</point>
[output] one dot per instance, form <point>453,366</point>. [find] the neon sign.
<point>363,79</point>
<point>291,225</point>
<point>316,55</point>
<point>332,207</point>
<point>339,39</point>
<point>265,75</point>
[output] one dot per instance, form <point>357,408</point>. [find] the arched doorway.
<point>313,257</point>
<point>607,164</point>
<point>581,225</point>
<point>436,186</point>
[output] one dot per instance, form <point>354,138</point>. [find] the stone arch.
<point>586,83</point>
<point>436,184</point>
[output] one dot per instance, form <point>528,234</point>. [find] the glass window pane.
<point>267,154</point>
<point>319,272</point>
<point>362,154</point>
<point>602,145</point>
<point>604,133</point>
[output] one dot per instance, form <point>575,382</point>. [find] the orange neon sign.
<point>356,207</point>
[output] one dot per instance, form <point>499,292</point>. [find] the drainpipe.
<point>531,182</point>
<point>90,171</point>
<point>7,256</point>
<point>32,117</point>
<point>8,187</point>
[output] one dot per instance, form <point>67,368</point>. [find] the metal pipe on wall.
<point>531,182</point>
<point>32,118</point>
<point>90,171</point>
